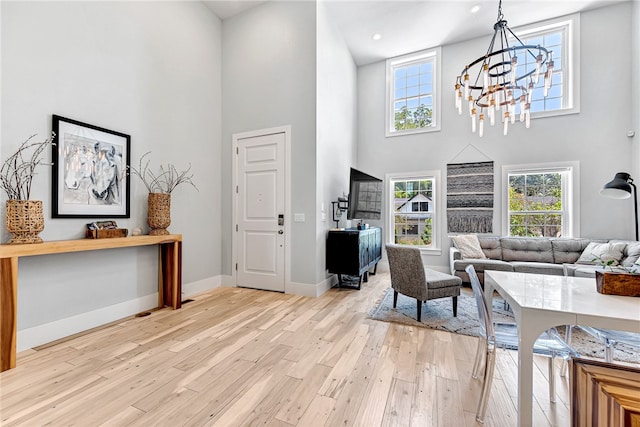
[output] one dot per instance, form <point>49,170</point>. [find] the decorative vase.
<point>159,213</point>
<point>24,220</point>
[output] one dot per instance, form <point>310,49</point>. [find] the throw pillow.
<point>602,252</point>
<point>469,246</point>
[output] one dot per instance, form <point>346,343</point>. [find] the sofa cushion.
<point>482,264</point>
<point>491,246</point>
<point>526,249</point>
<point>538,268</point>
<point>468,245</point>
<point>566,250</point>
<point>631,252</point>
<point>595,253</point>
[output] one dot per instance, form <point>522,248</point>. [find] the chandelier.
<point>504,76</point>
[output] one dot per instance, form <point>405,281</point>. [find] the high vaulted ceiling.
<point>409,26</point>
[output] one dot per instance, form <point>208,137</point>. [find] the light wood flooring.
<point>247,357</point>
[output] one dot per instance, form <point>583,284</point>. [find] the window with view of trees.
<point>538,203</point>
<point>413,206</point>
<point>412,93</point>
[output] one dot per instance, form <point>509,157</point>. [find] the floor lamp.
<point>621,187</point>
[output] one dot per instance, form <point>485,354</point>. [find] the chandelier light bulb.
<point>473,120</point>
<point>492,116</point>
<point>523,101</point>
<point>470,104</point>
<point>536,75</point>
<point>497,102</point>
<point>481,125</point>
<point>466,85</point>
<point>514,64</point>
<point>485,77</point>
<point>458,98</point>
<point>527,115</point>
<point>506,123</point>
<point>512,111</point>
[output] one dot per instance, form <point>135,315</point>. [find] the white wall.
<point>635,87</point>
<point>596,137</point>
<point>269,80</point>
<point>336,127</point>
<point>148,69</point>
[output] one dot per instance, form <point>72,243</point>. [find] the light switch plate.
<point>299,217</point>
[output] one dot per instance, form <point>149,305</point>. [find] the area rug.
<point>438,314</point>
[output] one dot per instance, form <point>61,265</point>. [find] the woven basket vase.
<point>25,220</point>
<point>159,213</point>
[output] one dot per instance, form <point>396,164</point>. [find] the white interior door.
<point>261,210</point>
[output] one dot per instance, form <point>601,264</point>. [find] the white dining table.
<point>540,302</point>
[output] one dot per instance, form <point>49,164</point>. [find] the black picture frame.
<point>90,165</point>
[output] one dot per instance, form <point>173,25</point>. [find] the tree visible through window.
<point>536,205</point>
<point>413,211</point>
<point>411,95</point>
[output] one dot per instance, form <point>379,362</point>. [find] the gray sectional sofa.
<point>557,256</point>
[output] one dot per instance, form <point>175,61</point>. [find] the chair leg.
<point>419,307</point>
<point>481,351</point>
<point>565,363</point>
<point>608,350</point>
<point>395,298</point>
<point>552,380</point>
<point>455,306</point>
<point>486,385</point>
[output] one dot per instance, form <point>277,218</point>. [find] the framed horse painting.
<point>90,164</point>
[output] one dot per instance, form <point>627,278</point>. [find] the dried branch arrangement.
<point>167,178</point>
<point>17,172</point>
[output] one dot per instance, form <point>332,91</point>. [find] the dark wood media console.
<point>354,252</point>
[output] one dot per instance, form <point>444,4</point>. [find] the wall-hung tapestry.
<point>470,197</point>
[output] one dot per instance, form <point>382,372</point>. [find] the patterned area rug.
<point>438,314</point>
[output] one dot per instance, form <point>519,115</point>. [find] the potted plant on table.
<point>160,185</point>
<point>24,217</point>
<point>615,279</point>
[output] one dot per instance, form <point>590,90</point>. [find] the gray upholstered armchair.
<point>409,277</point>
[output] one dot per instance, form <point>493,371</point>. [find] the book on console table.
<point>107,233</point>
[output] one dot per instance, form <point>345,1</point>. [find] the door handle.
<point>280,231</point>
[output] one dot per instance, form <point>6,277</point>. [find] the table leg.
<point>526,338</point>
<point>170,275</point>
<point>8,312</point>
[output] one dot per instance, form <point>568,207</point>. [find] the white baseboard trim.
<point>199,286</point>
<point>310,290</point>
<point>47,332</point>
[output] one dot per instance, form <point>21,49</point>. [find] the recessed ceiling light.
<point>475,8</point>
<point>376,36</point>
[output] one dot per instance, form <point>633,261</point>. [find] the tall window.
<point>413,210</point>
<point>412,93</point>
<point>561,38</point>
<point>540,202</point>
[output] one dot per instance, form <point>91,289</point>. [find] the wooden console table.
<point>169,277</point>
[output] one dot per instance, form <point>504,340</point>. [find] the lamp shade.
<point>619,187</point>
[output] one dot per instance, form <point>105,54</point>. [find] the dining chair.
<point>505,335</point>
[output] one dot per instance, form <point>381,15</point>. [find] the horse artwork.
<point>106,174</point>
<point>92,172</point>
<point>90,164</point>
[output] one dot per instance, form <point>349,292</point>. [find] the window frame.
<point>570,60</point>
<point>434,175</point>
<point>391,64</point>
<point>570,192</point>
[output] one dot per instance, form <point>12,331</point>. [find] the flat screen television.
<point>365,196</point>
